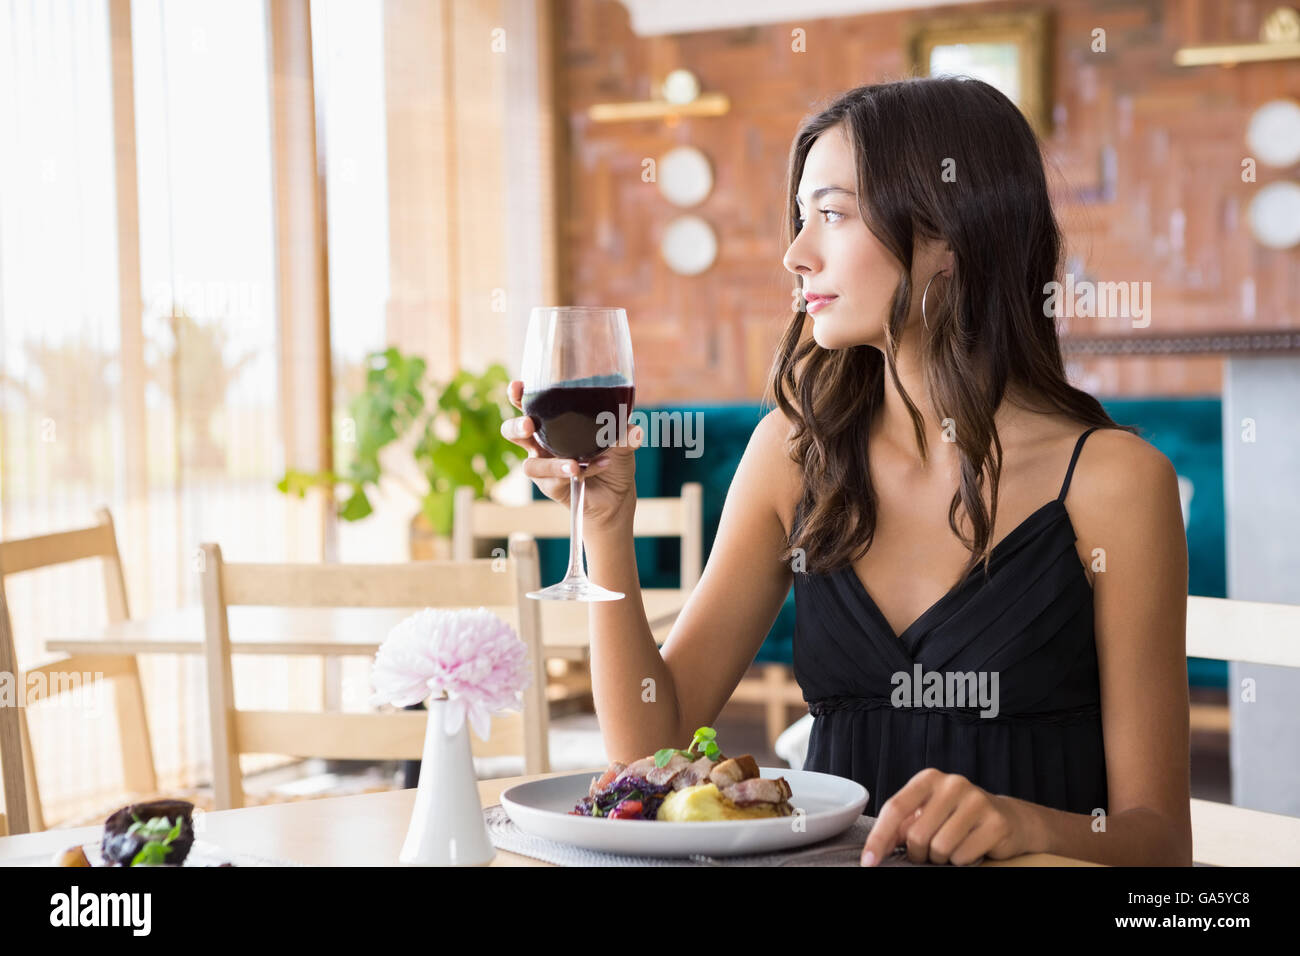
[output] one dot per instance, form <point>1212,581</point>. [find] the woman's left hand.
<point>944,818</point>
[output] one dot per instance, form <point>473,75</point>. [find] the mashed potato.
<point>705,802</point>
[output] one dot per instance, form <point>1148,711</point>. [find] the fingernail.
<point>567,469</point>
<point>868,859</point>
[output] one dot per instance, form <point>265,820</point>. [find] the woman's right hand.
<point>610,494</point>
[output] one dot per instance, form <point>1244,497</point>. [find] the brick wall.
<point>1175,214</point>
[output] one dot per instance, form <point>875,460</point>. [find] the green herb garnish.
<point>158,833</point>
<point>704,744</point>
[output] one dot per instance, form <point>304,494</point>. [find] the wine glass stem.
<point>576,489</point>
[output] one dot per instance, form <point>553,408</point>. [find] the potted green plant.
<point>458,441</point>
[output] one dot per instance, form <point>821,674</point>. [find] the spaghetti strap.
<point>1078,447</point>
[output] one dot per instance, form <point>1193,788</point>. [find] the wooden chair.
<point>1227,629</point>
<point>11,746</point>
<point>772,685</point>
<point>382,736</point>
<point>22,795</point>
<point>475,520</point>
<point>1257,632</point>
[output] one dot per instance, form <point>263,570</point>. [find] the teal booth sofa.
<point>1187,430</point>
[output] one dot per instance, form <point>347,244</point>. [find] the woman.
<point>921,232</point>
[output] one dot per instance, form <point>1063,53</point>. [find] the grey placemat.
<point>842,850</point>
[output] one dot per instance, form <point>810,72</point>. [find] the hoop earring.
<point>926,291</point>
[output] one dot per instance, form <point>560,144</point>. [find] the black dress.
<point>1030,622</point>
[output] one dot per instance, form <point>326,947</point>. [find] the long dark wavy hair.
<point>986,328</point>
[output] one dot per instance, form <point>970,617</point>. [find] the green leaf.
<point>297,482</point>
<point>498,465</point>
<point>450,461</point>
<point>381,433</point>
<point>451,398</point>
<point>472,437</point>
<point>154,829</point>
<point>364,471</point>
<point>151,853</point>
<point>663,756</point>
<point>159,832</point>
<point>438,507</point>
<point>356,507</point>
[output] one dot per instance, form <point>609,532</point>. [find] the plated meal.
<point>156,833</point>
<point>697,784</point>
<point>698,817</point>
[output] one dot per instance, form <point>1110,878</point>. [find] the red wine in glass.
<point>578,390</point>
<point>579,421</point>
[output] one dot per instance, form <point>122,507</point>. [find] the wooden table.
<point>363,830</point>
<point>1224,835</point>
<point>336,632</point>
<point>368,829</point>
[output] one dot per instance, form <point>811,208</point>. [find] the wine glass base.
<point>576,590</point>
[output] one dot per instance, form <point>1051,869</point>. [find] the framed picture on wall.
<point>1006,50</point>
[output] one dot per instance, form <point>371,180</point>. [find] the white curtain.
<point>202,461</point>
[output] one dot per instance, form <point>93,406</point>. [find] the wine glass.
<point>578,390</point>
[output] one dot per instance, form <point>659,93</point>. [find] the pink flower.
<point>471,657</point>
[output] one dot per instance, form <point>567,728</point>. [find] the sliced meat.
<point>696,773</point>
<point>637,768</point>
<point>606,778</point>
<point>733,771</point>
<point>757,790</point>
<point>665,774</point>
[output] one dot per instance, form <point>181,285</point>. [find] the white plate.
<point>830,805</point>
<point>201,854</point>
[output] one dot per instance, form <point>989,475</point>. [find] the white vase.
<point>447,827</point>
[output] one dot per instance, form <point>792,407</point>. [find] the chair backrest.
<point>18,555</point>
<point>683,517</point>
<point>11,742</point>
<point>47,550</point>
<point>400,735</point>
<point>1251,631</point>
